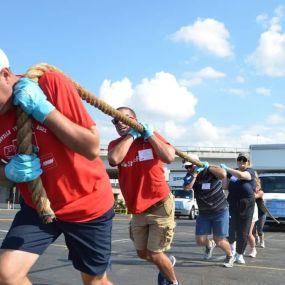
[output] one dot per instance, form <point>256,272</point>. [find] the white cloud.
<point>263,19</point>
<point>275,119</point>
<point>207,34</point>
<point>269,56</point>
<point>278,106</point>
<point>196,78</point>
<point>210,72</point>
<point>160,97</point>
<point>174,131</point>
<point>117,93</point>
<point>263,91</point>
<point>164,97</point>
<point>190,81</point>
<point>203,131</point>
<point>236,91</point>
<point>240,79</point>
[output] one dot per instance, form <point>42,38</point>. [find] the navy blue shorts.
<point>217,223</point>
<point>89,243</point>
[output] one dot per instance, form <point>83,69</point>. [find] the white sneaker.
<point>253,252</point>
<point>262,244</point>
<point>229,261</point>
<point>209,251</point>
<point>240,259</point>
<point>233,248</point>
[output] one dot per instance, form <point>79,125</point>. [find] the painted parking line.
<point>239,265</point>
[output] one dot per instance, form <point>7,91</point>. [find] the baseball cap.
<point>242,154</point>
<point>194,156</point>
<point>4,61</point>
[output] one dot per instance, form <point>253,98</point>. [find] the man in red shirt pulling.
<point>140,158</point>
<point>72,174</point>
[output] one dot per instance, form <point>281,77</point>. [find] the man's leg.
<point>89,245</point>
<point>95,280</point>
<point>15,265</point>
<point>203,230</point>
<point>163,263</point>
<point>25,241</point>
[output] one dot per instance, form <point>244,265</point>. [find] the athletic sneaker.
<point>161,279</point>
<point>262,244</point>
<point>253,252</point>
<point>229,261</point>
<point>209,251</point>
<point>239,259</point>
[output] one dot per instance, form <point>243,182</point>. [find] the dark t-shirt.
<point>239,188</point>
<point>209,193</point>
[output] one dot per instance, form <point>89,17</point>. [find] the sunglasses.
<point>188,166</point>
<point>243,159</point>
<point>115,121</point>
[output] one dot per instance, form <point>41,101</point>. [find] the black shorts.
<point>89,243</point>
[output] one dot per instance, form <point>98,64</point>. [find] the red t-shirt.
<point>78,189</point>
<point>141,176</point>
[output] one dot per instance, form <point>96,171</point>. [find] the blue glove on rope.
<point>199,169</point>
<point>205,164</point>
<point>148,131</point>
<point>30,97</point>
<point>187,179</point>
<point>134,133</point>
<point>224,166</point>
<point>23,168</point>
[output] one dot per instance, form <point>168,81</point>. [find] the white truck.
<point>269,162</point>
<point>185,202</point>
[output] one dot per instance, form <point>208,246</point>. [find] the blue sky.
<point>204,73</point>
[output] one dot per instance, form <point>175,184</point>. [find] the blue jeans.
<point>218,224</point>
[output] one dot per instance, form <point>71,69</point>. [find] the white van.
<point>273,185</point>
<point>185,204</point>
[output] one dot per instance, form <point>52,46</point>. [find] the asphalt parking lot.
<point>53,268</point>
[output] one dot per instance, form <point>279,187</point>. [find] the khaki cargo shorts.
<point>154,228</point>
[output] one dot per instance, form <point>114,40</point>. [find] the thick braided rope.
<point>24,139</point>
<point>36,71</point>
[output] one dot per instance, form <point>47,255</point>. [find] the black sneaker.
<point>209,251</point>
<point>161,279</point>
<point>229,261</point>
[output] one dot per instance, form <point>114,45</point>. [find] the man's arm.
<point>189,186</point>
<point>30,97</point>
<point>119,151</point>
<point>242,175</point>
<point>219,172</point>
<point>79,139</point>
<point>165,152</point>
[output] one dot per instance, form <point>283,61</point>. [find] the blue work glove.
<point>30,97</point>
<point>205,164</point>
<point>134,133</point>
<point>224,166</point>
<point>148,131</point>
<point>23,168</point>
<point>199,169</point>
<point>187,179</point>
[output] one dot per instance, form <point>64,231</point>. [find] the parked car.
<point>185,204</point>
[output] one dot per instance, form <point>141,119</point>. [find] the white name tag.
<point>145,154</point>
<point>206,186</point>
<point>233,178</point>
